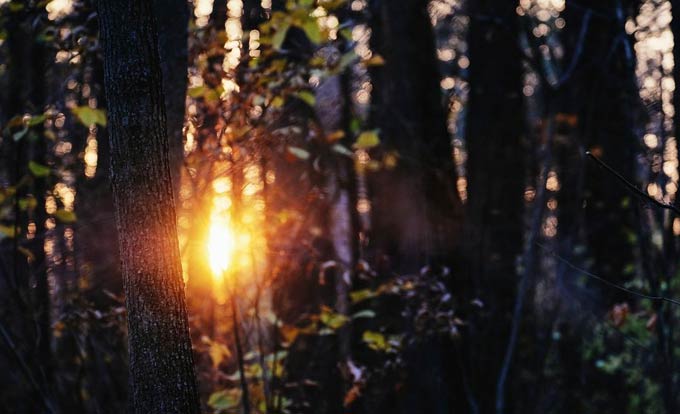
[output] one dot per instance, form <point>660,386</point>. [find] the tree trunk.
<point>496,166</point>
<point>162,376</point>
<point>173,17</point>
<point>416,206</point>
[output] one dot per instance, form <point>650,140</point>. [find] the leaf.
<point>341,149</point>
<point>307,97</point>
<point>375,60</point>
<point>65,216</point>
<point>311,28</point>
<point>36,120</point>
<point>280,35</point>
<point>28,203</point>
<point>7,231</point>
<point>299,152</point>
<point>277,102</point>
<point>366,313</point>
<point>29,254</point>
<point>223,400</point>
<point>20,134</point>
<point>38,170</point>
<point>333,320</point>
<point>361,295</point>
<point>375,340</point>
<point>335,136</point>
<point>367,140</point>
<point>89,116</point>
<point>218,352</point>
<point>196,91</point>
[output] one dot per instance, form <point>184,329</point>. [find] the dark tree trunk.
<point>173,21</point>
<point>496,167</point>
<point>162,376</point>
<point>415,212</point>
<point>416,204</point>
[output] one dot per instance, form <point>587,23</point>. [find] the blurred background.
<point>383,206</point>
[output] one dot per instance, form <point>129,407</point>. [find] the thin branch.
<point>632,187</point>
<point>605,281</point>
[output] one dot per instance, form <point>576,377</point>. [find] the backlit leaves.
<point>224,400</point>
<point>367,140</point>
<point>38,170</point>
<point>65,216</point>
<point>89,116</point>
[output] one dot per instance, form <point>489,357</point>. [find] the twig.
<point>245,397</point>
<point>605,281</point>
<point>632,186</point>
<point>528,273</point>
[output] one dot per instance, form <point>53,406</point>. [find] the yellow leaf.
<point>367,140</point>
<point>65,216</point>
<point>375,340</point>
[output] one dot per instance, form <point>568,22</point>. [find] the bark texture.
<point>162,376</point>
<point>173,20</point>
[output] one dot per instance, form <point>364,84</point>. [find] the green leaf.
<point>65,216</point>
<point>367,140</point>
<point>299,152</point>
<point>280,35</point>
<point>88,116</point>
<point>223,400</point>
<point>366,313</point>
<point>311,28</point>
<point>196,91</point>
<point>307,97</point>
<point>38,170</point>
<point>36,120</point>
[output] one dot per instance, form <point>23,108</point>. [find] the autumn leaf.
<point>224,400</point>
<point>375,60</point>
<point>375,340</point>
<point>65,216</point>
<point>367,140</point>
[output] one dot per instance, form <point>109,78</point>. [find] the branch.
<point>605,281</point>
<point>632,187</point>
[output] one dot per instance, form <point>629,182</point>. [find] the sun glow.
<point>221,245</point>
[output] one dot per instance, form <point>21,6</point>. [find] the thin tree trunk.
<point>162,378</point>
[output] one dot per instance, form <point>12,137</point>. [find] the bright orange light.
<point>221,245</point>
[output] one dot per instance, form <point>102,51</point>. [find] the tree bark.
<point>162,378</point>
<point>173,19</point>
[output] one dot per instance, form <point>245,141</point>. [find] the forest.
<point>339,206</point>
